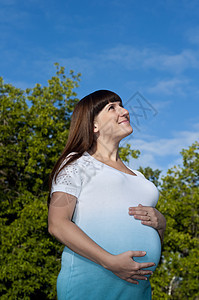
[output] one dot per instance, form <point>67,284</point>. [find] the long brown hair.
<point>81,134</point>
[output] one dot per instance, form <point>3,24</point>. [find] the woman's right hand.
<point>123,266</point>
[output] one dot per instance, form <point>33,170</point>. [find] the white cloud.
<point>161,105</point>
<point>82,65</point>
<point>172,146</point>
<point>145,160</point>
<point>12,17</point>
<point>132,57</point>
<point>121,57</point>
<point>176,162</point>
<point>169,87</point>
<point>163,153</point>
<point>7,2</point>
<point>196,126</point>
<point>175,63</point>
<point>193,35</point>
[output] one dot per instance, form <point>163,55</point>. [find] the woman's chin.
<point>124,136</point>
<point>127,131</point>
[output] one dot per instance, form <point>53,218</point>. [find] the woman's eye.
<point>112,106</point>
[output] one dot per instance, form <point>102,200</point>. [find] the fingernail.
<point>145,278</point>
<point>143,252</point>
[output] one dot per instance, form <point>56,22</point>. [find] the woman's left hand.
<point>149,216</point>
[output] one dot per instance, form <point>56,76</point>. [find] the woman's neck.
<point>105,152</point>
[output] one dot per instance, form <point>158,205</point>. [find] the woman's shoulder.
<point>68,179</point>
<point>69,156</point>
<point>79,160</point>
<point>82,163</point>
<point>83,167</point>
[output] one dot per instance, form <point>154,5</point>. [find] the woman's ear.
<point>95,128</point>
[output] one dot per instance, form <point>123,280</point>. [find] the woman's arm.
<point>150,216</point>
<point>61,209</point>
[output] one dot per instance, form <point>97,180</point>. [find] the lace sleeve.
<point>68,180</point>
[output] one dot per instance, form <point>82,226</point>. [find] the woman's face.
<point>113,122</point>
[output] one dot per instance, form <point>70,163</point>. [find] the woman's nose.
<point>123,111</point>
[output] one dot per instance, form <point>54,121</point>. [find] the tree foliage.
<point>177,276</point>
<point>150,174</point>
<point>126,151</point>
<point>33,131</point>
<point>34,125</point>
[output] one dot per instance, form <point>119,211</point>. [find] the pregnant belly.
<point>142,238</point>
<point>122,234</point>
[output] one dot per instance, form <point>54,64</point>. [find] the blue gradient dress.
<point>104,195</point>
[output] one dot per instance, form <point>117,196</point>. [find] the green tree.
<point>33,131</point>
<point>177,276</point>
<point>34,125</point>
<point>126,151</point>
<point>150,174</point>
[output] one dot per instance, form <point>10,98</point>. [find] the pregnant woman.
<point>103,212</point>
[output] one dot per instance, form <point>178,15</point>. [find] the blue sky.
<point>150,47</point>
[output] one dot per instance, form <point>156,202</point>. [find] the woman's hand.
<point>149,216</point>
<point>123,266</point>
